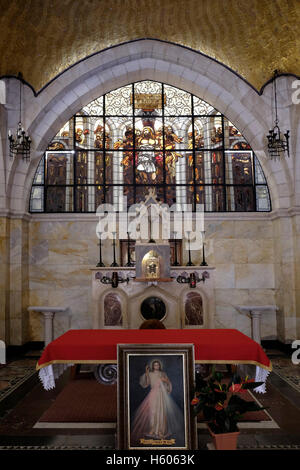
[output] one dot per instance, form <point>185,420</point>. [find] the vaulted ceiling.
<point>41,38</point>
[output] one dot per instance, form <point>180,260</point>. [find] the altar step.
<point>84,403</point>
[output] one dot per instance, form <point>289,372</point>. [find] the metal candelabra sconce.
<point>192,279</point>
<point>114,280</point>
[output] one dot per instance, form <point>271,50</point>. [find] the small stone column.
<point>48,328</point>
<point>48,313</point>
<point>255,312</point>
<point>255,325</point>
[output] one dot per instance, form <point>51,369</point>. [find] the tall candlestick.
<point>114,263</point>
<point>100,264</point>
<point>190,261</point>
<point>175,260</point>
<point>129,262</point>
<point>204,263</point>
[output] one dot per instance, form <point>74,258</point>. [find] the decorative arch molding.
<point>151,60</point>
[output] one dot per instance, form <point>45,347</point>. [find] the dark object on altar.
<point>152,325</point>
<point>153,308</point>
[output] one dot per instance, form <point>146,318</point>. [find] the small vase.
<point>225,441</point>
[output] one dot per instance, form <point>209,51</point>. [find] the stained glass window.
<point>146,135</point>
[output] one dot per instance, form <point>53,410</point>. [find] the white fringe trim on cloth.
<point>48,374</point>
<point>259,375</point>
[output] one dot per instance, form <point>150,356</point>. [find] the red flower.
<point>235,388</point>
<point>195,401</point>
<point>246,380</point>
<point>219,406</point>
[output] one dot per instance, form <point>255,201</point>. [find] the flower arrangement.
<point>221,403</point>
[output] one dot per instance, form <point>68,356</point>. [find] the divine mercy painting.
<point>157,401</point>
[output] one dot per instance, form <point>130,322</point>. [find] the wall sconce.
<point>192,279</point>
<point>114,280</point>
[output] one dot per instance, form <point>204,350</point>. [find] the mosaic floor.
<point>14,374</point>
<point>289,372</point>
<point>23,401</point>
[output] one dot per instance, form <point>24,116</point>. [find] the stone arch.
<point>193,309</point>
<point>152,60</point>
<point>170,301</point>
<point>98,320</point>
<point>208,320</point>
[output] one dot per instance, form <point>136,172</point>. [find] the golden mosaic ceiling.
<point>41,38</point>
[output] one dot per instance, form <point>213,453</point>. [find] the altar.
<point>211,346</point>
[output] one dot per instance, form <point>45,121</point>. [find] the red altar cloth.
<point>226,346</point>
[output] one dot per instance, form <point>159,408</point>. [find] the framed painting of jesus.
<point>154,385</point>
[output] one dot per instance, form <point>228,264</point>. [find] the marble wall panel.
<point>253,230</point>
<point>62,252</point>
<point>232,297</point>
<point>38,251</point>
<point>254,276</point>
<point>67,252</point>
<point>225,276</point>
<point>219,229</point>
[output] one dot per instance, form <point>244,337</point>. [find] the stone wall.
<point>61,253</point>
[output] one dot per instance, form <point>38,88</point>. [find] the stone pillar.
<point>255,325</point>
<point>255,312</point>
<point>48,313</point>
<point>19,281</point>
<point>4,279</point>
<point>286,276</point>
<point>48,328</point>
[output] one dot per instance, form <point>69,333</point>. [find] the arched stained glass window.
<point>146,135</point>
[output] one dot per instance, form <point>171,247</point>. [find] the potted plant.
<point>222,406</point>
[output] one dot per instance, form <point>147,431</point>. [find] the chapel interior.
<point>108,109</point>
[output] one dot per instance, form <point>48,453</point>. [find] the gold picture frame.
<point>154,389</point>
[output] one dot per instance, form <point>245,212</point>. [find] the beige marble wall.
<point>4,279</point>
<point>296,228</point>
<point>243,253</point>
<point>14,280</point>
<point>19,281</point>
<point>286,273</point>
<point>60,256</point>
<point>62,252</point>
